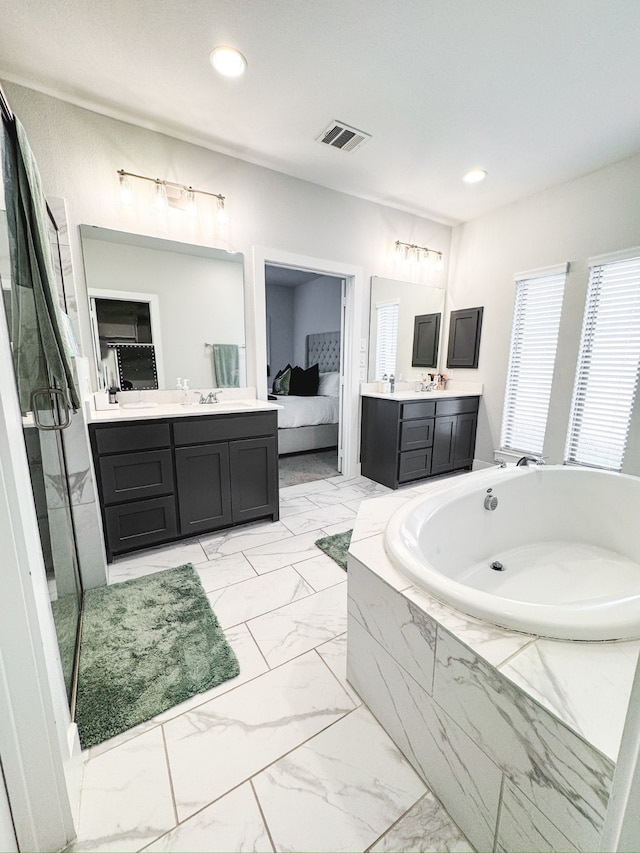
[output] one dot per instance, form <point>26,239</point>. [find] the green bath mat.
<point>336,547</point>
<point>147,645</point>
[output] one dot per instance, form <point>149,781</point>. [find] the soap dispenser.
<point>184,399</point>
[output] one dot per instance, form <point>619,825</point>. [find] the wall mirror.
<point>396,304</point>
<point>161,309</point>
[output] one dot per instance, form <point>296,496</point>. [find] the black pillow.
<point>304,383</point>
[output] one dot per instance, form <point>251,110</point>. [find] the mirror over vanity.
<point>411,315</point>
<point>161,309</point>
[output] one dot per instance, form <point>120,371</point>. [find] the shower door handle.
<point>52,395</point>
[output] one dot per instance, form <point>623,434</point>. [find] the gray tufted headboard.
<point>324,348</point>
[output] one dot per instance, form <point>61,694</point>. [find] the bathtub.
<point>558,556</point>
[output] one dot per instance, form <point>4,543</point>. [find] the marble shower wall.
<point>510,773</point>
<point>84,499</point>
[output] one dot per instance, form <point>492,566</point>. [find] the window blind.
<point>607,375</point>
<point>534,340</point>
<point>387,314</point>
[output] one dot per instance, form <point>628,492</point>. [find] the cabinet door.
<point>444,440</point>
<point>202,479</point>
<point>254,478</point>
<point>465,440</point>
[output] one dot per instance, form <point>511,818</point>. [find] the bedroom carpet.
<point>147,644</point>
<point>299,468</point>
<point>336,547</point>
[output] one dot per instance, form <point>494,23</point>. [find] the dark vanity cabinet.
<point>410,440</point>
<point>161,480</point>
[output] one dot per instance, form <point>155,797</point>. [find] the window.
<point>534,339</point>
<point>607,375</point>
<point>386,337</point>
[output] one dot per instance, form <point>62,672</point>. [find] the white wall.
<point>593,215</point>
<point>78,153</point>
<point>316,309</point>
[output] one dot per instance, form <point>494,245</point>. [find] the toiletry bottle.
<point>392,383</point>
<point>184,399</point>
<point>112,394</point>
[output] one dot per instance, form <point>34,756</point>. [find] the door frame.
<point>352,335</point>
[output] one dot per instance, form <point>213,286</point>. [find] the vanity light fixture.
<point>228,61</point>
<point>417,254</point>
<point>474,176</point>
<point>170,194</point>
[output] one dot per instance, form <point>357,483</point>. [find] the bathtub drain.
<point>497,566</point>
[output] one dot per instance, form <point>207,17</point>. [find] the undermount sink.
<point>141,404</point>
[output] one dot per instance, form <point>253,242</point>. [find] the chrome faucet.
<point>212,397</point>
<point>537,460</point>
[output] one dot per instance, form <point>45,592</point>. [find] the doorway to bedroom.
<point>304,341</point>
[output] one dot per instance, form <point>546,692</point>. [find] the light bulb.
<point>228,61</point>
<point>162,202</point>
<point>190,206</point>
<point>221,213</point>
<point>126,194</point>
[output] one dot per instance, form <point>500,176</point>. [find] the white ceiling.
<point>535,91</point>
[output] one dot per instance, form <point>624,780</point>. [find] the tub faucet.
<point>537,460</point>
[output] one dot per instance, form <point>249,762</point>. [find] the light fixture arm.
<point>183,187</point>
<point>417,249</point>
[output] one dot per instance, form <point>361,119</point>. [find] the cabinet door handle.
<point>51,395</point>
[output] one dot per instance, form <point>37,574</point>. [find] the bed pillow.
<point>304,383</point>
<point>282,381</point>
<point>329,385</point>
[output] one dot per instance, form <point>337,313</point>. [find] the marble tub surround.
<point>283,757</point>
<point>531,727</point>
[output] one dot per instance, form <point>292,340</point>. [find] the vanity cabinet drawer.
<point>122,439</point>
<point>134,476</point>
<point>421,409</point>
<point>457,406</point>
<point>416,434</point>
<point>202,429</point>
<point>140,523</point>
<point>414,465</point>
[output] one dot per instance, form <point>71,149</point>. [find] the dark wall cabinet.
<point>405,441</point>
<point>168,479</point>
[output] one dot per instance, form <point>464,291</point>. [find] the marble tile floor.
<point>285,757</point>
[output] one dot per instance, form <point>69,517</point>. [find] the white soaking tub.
<point>559,556</point>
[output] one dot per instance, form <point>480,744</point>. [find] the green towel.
<point>226,363</point>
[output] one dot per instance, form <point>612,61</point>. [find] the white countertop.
<point>176,410</point>
<point>420,395</point>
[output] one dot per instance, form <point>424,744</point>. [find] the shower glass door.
<point>50,484</point>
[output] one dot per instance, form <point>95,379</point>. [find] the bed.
<point>311,422</point>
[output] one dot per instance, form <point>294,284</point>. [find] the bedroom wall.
<point>280,314</point>
<point>316,309</point>
<point>593,215</point>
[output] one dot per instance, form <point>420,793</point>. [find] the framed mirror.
<point>395,308</point>
<point>161,309</point>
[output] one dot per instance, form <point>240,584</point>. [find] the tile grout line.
<point>168,763</point>
<point>262,814</point>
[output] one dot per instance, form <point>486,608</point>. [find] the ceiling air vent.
<point>340,135</point>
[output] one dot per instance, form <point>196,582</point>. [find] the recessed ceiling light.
<point>475,175</point>
<point>228,61</point>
